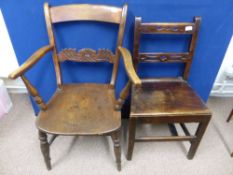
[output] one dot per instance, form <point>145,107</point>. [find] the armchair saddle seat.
<point>166,97</point>
<point>80,109</point>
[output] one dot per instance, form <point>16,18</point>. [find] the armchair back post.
<point>52,42</point>
<point>119,43</point>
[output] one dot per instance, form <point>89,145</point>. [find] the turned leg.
<point>123,95</point>
<point>230,116</point>
<point>44,146</point>
<point>199,134</point>
<point>117,148</point>
<point>131,137</point>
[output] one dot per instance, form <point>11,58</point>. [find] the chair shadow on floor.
<point>216,128</point>
<point>66,154</point>
<point>106,143</point>
<point>169,130</point>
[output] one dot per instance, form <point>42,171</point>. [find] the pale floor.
<point>20,153</point>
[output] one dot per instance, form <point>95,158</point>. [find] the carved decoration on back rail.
<point>86,55</point>
<point>163,57</point>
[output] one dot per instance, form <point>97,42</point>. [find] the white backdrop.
<point>223,85</point>
<point>8,60</point>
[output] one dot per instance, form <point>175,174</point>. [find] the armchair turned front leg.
<point>117,148</point>
<point>44,146</point>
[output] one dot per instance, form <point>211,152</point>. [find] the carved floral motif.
<point>86,55</point>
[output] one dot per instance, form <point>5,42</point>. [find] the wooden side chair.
<point>164,100</point>
<point>78,109</point>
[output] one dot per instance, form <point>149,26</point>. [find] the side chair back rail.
<point>166,28</point>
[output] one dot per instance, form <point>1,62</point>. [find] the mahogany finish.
<point>78,109</point>
<point>164,100</point>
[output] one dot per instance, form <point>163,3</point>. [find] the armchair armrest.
<point>27,65</point>
<point>129,66</point>
<point>132,76</point>
<point>30,62</point>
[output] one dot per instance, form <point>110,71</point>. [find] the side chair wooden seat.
<point>83,108</point>
<point>164,100</point>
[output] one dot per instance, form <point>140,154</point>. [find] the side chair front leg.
<point>199,134</point>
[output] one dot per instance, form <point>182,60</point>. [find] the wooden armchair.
<point>164,100</point>
<point>78,109</point>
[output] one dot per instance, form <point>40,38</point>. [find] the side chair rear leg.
<point>117,148</point>
<point>131,137</point>
<point>44,146</point>
<point>199,134</point>
<point>230,116</point>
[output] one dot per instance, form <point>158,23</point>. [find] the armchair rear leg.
<point>117,148</point>
<point>199,134</point>
<point>44,146</point>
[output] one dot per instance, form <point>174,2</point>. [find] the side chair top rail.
<point>168,28</point>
